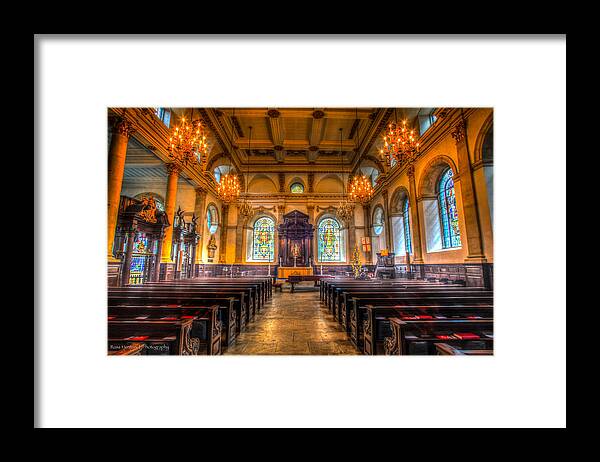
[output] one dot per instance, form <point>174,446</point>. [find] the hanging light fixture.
<point>246,209</point>
<point>345,210</point>
<point>188,142</point>
<point>361,187</point>
<point>228,188</point>
<point>399,143</point>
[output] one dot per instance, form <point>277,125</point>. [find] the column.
<point>280,212</point>
<point>310,211</point>
<point>223,243</point>
<point>240,231</point>
<point>129,238</point>
<point>173,171</point>
<point>367,214</point>
<point>156,272</point>
<point>122,130</point>
<point>469,199</point>
<point>200,211</point>
<point>388,222</point>
<point>415,217</point>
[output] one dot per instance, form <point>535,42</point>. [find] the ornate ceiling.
<point>295,138</point>
<point>284,140</point>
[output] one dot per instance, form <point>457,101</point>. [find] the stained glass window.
<point>212,219</point>
<point>297,188</point>
<point>329,240</point>
<point>407,238</point>
<point>263,247</point>
<point>378,221</point>
<point>448,212</point>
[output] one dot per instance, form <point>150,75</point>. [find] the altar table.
<point>283,272</point>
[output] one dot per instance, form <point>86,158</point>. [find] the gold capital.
<point>173,169</point>
<point>123,127</point>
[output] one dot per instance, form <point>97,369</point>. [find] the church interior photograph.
<point>300,231</point>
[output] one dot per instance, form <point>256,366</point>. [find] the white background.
<point>523,384</point>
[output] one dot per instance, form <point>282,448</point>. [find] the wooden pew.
<point>265,282</point>
<point>229,309</point>
<point>189,294</point>
<point>345,302</point>
<point>358,311</point>
<point>443,349</point>
<point>258,289</point>
<point>420,336</point>
<point>336,289</point>
<point>328,285</point>
<point>206,324</point>
<point>250,297</point>
<point>173,335</point>
<point>340,301</point>
<point>377,325</point>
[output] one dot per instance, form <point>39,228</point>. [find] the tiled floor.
<point>293,324</point>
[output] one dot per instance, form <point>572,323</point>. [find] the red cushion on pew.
<point>139,337</point>
<point>466,335</point>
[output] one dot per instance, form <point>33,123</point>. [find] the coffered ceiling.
<point>285,140</point>
<point>288,138</point>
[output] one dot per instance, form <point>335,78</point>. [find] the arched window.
<point>407,237</point>
<point>212,219</point>
<point>221,170</point>
<point>372,173</point>
<point>448,212</point>
<point>263,239</point>
<point>329,237</point>
<point>297,188</point>
<point>378,221</point>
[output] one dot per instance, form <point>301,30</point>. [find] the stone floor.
<point>293,324</point>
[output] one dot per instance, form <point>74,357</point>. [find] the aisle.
<point>293,324</point>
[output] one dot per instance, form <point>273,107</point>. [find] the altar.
<point>283,272</point>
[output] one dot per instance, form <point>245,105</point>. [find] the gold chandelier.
<point>245,209</point>
<point>399,143</point>
<point>228,188</point>
<point>361,188</point>
<point>345,210</point>
<point>188,142</point>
